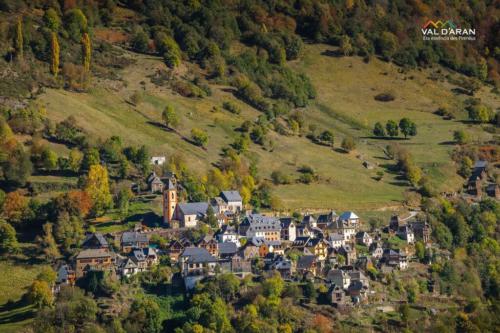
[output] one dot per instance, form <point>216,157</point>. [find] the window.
<point>173,195</point>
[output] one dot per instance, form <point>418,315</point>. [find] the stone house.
<point>93,260</point>
<point>288,229</point>
<point>133,240</point>
<point>363,238</point>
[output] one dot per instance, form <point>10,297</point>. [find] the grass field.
<point>345,104</point>
<point>14,281</point>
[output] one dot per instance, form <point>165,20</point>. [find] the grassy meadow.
<point>345,104</point>
<point>15,279</point>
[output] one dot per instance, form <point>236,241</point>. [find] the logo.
<point>447,30</point>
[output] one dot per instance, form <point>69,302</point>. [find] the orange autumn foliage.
<point>14,206</point>
<point>82,201</point>
<point>322,324</point>
<point>75,202</point>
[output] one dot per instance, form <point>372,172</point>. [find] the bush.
<point>231,107</point>
<point>279,177</point>
<point>348,144</point>
<point>461,137</point>
<point>199,137</point>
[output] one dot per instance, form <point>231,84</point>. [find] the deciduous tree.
<point>392,128</point>
<point>97,186</point>
<point>8,239</point>
<point>15,207</point>
<point>408,127</point>
<point>40,294</point>
<point>378,130</point>
<point>169,117</point>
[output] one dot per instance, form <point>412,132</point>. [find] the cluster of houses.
<point>326,247</point>
<point>318,248</point>
<point>478,183</point>
<point>178,214</point>
<point>135,255</point>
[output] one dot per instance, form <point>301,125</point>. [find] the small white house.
<point>157,160</point>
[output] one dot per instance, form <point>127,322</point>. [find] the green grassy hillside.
<point>345,104</point>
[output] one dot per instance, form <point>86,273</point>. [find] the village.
<point>336,249</point>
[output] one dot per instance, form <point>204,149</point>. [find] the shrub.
<point>231,107</point>
<point>461,137</point>
<point>279,177</point>
<point>199,137</point>
<point>348,144</point>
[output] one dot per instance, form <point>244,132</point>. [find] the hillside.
<point>345,104</point>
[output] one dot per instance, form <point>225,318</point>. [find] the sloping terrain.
<point>345,104</point>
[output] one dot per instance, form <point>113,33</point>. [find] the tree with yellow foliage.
<point>54,46</point>
<point>86,51</point>
<point>97,187</point>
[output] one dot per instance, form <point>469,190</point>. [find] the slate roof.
<point>128,263</point>
<point>361,234</point>
<point>286,222</point>
<point>133,237</point>
<point>169,184</point>
<point>98,236</point>
<point>308,219</point>
<point>335,237</point>
<point>326,218</point>
<point>63,273</point>
<point>480,164</point>
<point>93,253</point>
<point>227,248</point>
<point>197,255</point>
<point>261,222</point>
<point>193,208</point>
<point>348,216</point>
<point>138,255</point>
<point>306,262</point>
<point>231,196</point>
<point>334,273</point>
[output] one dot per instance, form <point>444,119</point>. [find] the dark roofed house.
<point>227,250</point>
<point>95,241</point>
<point>240,265</point>
<point>325,220</point>
<point>133,240</point>
<point>65,277</point>
<point>93,260</point>
<point>478,175</point>
<point>288,229</point>
<point>284,266</point>
<point>210,244</point>
<point>307,263</point>
<point>493,190</point>
<point>233,200</point>
<point>190,213</point>
<point>364,238</point>
<point>197,261</point>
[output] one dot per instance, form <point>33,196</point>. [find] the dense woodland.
<point>50,43</point>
